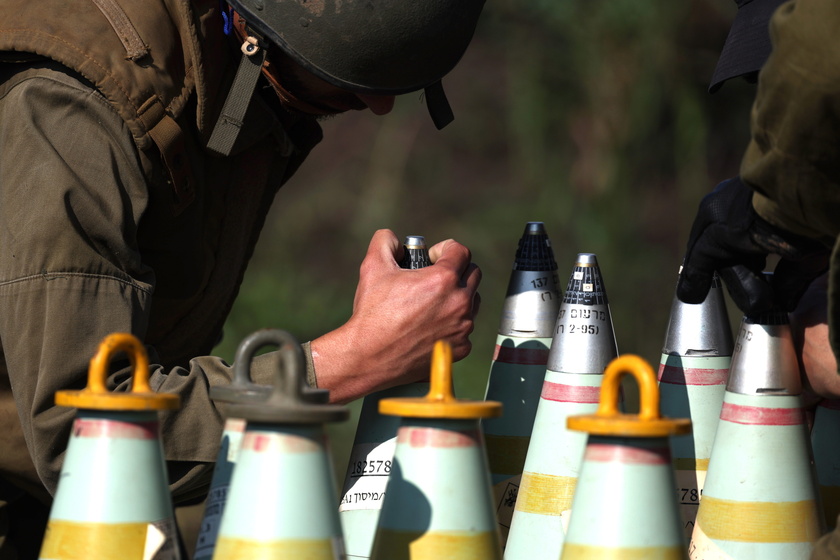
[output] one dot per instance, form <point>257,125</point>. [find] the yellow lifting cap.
<point>608,421</point>
<point>96,397</point>
<point>440,402</point>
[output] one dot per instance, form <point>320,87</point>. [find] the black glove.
<point>729,237</point>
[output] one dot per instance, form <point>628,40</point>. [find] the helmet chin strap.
<point>236,104</point>
<point>287,97</point>
<point>269,70</point>
<point>438,105</point>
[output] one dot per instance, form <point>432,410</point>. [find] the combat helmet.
<point>381,47</point>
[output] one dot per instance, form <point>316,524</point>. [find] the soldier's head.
<point>373,49</point>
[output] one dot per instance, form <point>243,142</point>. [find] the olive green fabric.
<point>97,240</point>
<point>793,155</point>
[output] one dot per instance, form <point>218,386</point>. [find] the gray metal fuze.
<point>281,502</point>
<point>240,391</point>
<point>582,347</point>
<point>517,370</point>
<point>760,499</point>
<point>693,370</point>
<point>372,455</point>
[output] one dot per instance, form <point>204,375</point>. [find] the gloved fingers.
<point>717,247</point>
<point>694,284</point>
<point>792,278</point>
<point>746,285</point>
<point>749,288</point>
<point>725,238</point>
<point>726,206</point>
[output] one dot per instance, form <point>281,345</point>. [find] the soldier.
<point>786,201</point>
<point>141,145</point>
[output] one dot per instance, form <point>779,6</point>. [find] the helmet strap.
<point>288,98</point>
<point>236,104</point>
<point>272,75</point>
<point>438,105</point>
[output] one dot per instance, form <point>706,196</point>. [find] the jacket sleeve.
<point>72,194</point>
<point>791,160</point>
<point>793,154</point>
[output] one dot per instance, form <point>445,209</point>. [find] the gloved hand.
<point>729,237</point>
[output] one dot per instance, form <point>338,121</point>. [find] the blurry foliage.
<point>591,116</point>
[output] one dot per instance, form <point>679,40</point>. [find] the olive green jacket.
<point>115,218</point>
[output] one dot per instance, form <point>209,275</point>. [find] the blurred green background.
<point>590,116</point>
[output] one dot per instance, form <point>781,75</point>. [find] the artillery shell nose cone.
<point>700,329</point>
<point>586,259</point>
<point>416,254</point>
<point>535,228</point>
<point>415,241</point>
<point>586,286</point>
<point>534,252</point>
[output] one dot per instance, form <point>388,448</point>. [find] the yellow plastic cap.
<point>96,397</point>
<point>608,421</point>
<point>440,402</point>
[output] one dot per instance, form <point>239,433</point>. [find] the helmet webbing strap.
<point>438,105</point>
<point>230,120</point>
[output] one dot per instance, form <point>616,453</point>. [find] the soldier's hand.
<point>398,315</point>
<point>729,237</point>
